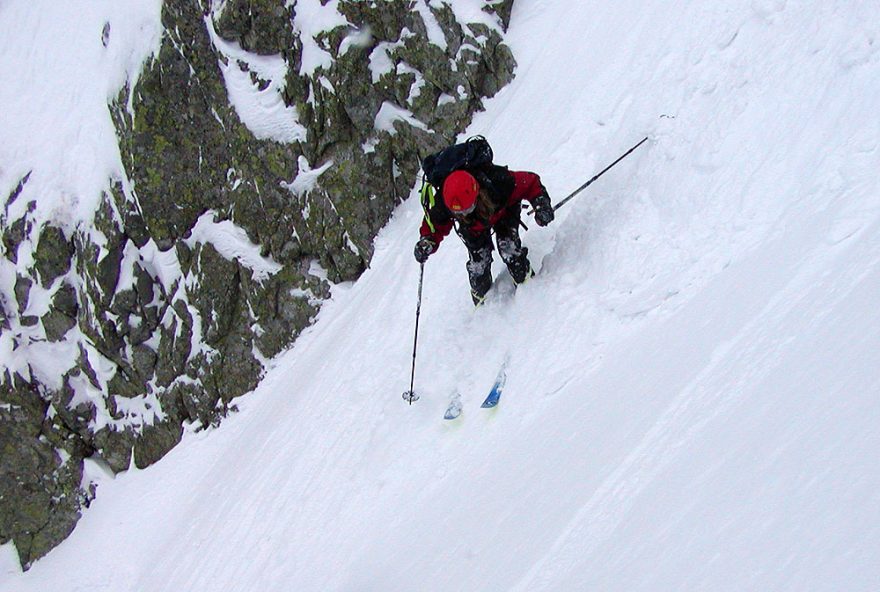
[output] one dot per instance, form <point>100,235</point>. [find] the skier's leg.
<point>514,255</point>
<point>479,265</point>
<point>479,268</point>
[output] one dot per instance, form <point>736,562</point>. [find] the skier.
<point>477,202</point>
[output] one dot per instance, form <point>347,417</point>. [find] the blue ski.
<point>497,388</point>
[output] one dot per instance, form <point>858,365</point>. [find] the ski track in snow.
<point>691,402</point>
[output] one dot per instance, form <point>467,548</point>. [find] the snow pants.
<point>479,246</point>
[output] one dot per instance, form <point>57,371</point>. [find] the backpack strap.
<point>428,199</point>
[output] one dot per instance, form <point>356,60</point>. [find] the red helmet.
<point>460,192</point>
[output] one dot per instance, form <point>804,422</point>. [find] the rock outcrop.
<point>261,158</point>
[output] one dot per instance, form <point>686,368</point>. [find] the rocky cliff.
<point>264,146</point>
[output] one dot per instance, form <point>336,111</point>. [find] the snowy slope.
<point>693,397</point>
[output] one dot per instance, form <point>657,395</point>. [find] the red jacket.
<point>506,189</point>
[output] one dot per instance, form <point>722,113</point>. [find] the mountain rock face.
<point>264,147</point>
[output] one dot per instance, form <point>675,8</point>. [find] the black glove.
<point>543,210</point>
<point>424,248</point>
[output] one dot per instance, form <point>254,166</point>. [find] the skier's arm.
<point>435,226</point>
<point>434,230</point>
<point>437,221</point>
<point>527,186</point>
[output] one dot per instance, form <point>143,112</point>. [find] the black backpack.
<point>475,153</point>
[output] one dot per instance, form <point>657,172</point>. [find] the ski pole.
<point>602,172</point>
<point>410,395</point>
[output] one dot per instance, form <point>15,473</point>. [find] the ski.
<point>454,409</point>
<point>497,388</point>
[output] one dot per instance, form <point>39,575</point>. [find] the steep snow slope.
<point>693,398</point>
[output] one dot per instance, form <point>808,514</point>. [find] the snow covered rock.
<point>261,147</point>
